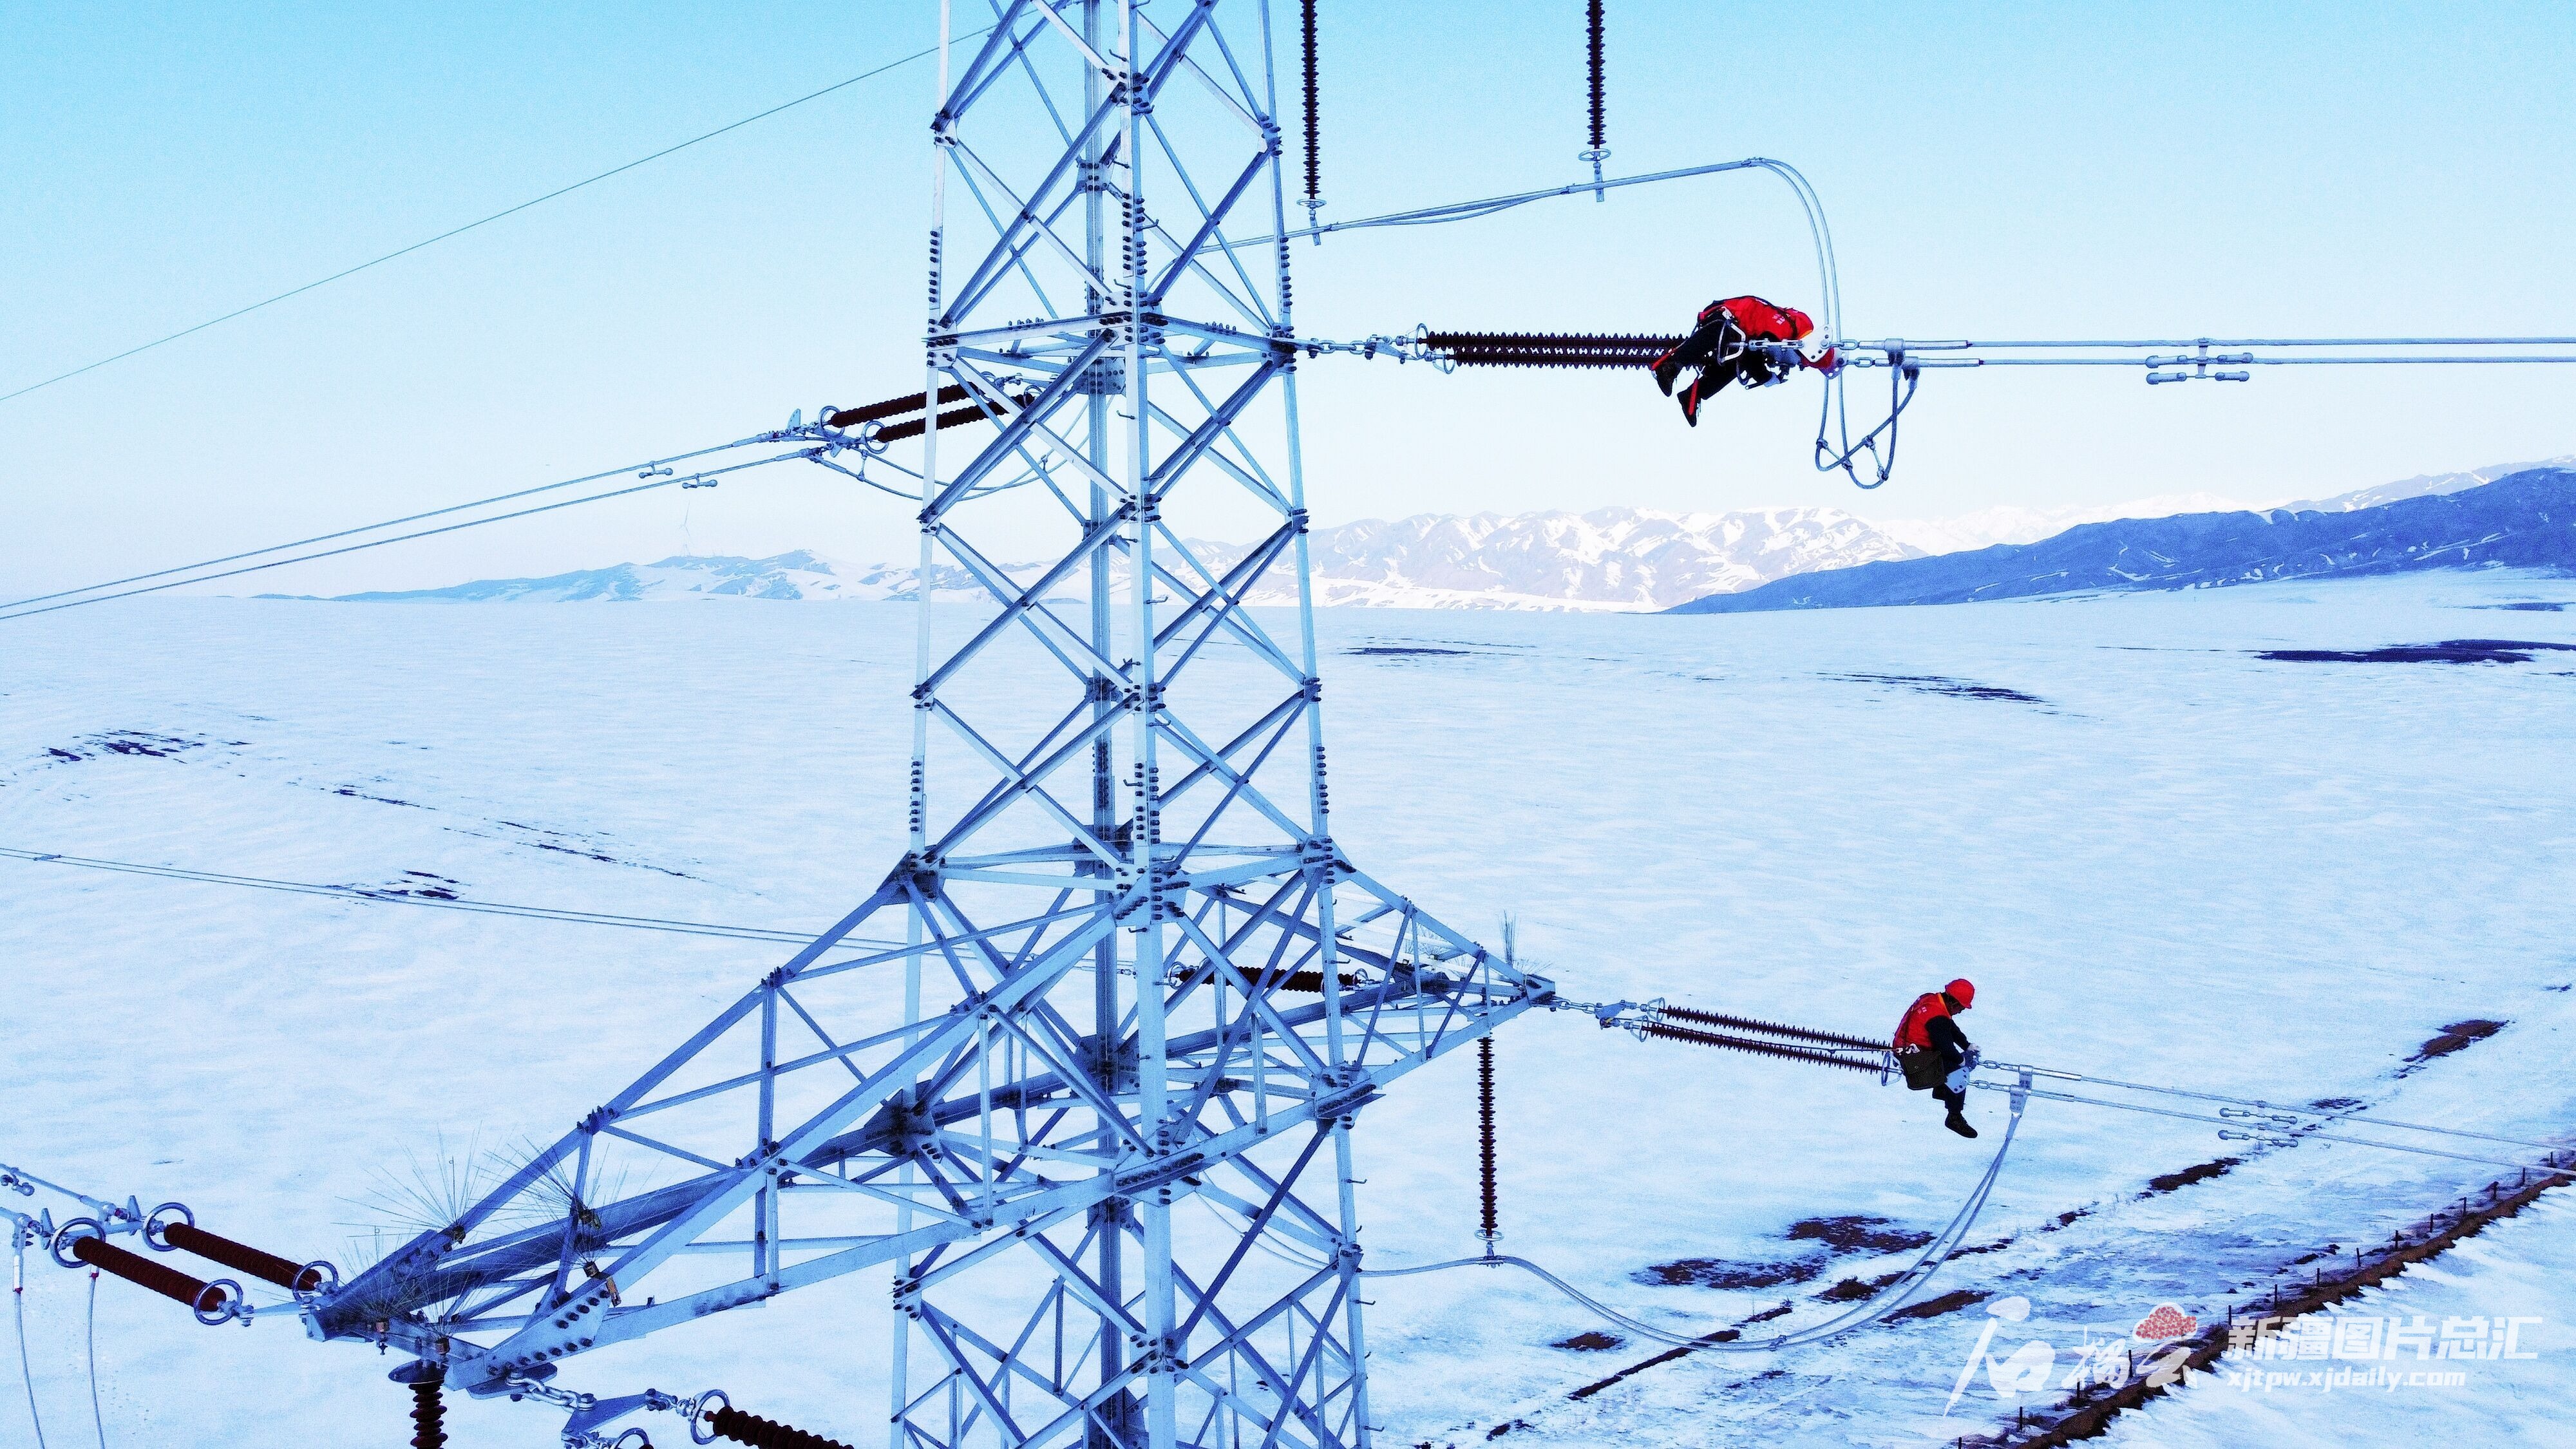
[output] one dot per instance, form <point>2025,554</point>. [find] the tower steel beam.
<point>1094,1113</point>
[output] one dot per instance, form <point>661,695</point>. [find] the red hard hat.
<point>1962,991</point>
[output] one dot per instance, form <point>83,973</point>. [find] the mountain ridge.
<point>2523,520</point>
<point>1611,558</point>
<point>1608,559</point>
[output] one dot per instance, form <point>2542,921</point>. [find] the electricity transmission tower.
<point>1082,1071</point>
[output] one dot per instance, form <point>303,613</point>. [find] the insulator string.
<point>1485,1136</point>
<point>1668,1032</point>
<point>428,1414</point>
<point>1544,349</point>
<point>1772,1028</point>
<point>1594,23</point>
<point>1314,141</point>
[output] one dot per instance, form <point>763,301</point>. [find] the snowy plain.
<point>2161,857</point>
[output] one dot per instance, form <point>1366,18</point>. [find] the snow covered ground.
<point>2161,858</point>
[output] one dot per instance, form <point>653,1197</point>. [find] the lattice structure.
<point>1082,1071</point>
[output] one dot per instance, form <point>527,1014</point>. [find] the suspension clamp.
<point>2199,362</point>
<point>2248,1115</point>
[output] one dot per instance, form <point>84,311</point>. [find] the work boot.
<point>1958,1123</point>
<point>1668,370</point>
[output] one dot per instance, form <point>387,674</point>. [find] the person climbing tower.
<point>1737,340</point>
<point>1935,1055</point>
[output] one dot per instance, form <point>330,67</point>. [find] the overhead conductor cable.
<point>1879,1305</point>
<point>482,222</point>
<point>656,473</point>
<point>206,578</point>
<point>22,1231</point>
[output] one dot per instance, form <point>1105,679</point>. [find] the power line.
<point>639,469</point>
<point>2240,1126</point>
<point>660,470</point>
<point>356,893</point>
<point>407,537</point>
<point>2276,1112</point>
<point>486,221</point>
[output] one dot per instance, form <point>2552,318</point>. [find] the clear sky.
<point>2012,170</point>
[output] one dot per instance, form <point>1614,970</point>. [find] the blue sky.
<point>2031,170</point>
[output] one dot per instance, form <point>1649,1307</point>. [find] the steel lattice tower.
<point>1126,972</point>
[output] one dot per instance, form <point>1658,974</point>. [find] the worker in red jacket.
<point>1737,340</point>
<point>1935,1055</point>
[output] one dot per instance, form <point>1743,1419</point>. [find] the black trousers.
<point>1950,1062</point>
<point>1716,349</point>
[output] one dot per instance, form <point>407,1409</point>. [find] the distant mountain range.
<point>798,575</point>
<point>1990,526</point>
<point>2010,524</point>
<point>1607,559</point>
<point>1611,558</point>
<point>2415,487</point>
<point>2523,520</point>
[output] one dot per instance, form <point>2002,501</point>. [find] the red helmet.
<point>1962,991</point>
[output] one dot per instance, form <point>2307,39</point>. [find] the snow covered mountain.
<point>801,574</point>
<point>1610,558</point>
<point>2525,520</point>
<point>2421,485</point>
<point>1606,559</point>
<point>2008,524</point>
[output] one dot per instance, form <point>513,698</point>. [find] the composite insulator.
<point>1547,349</point>
<point>428,1409</point>
<point>732,1423</point>
<point>295,1277</point>
<point>1668,1032</point>
<point>1485,1133</point>
<point>1771,1028</point>
<point>1314,141</point>
<point>1594,26</point>
<point>893,407</point>
<point>1310,982</point>
<point>958,418</point>
<point>211,1302</point>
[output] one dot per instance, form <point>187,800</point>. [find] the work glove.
<point>1958,1078</point>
